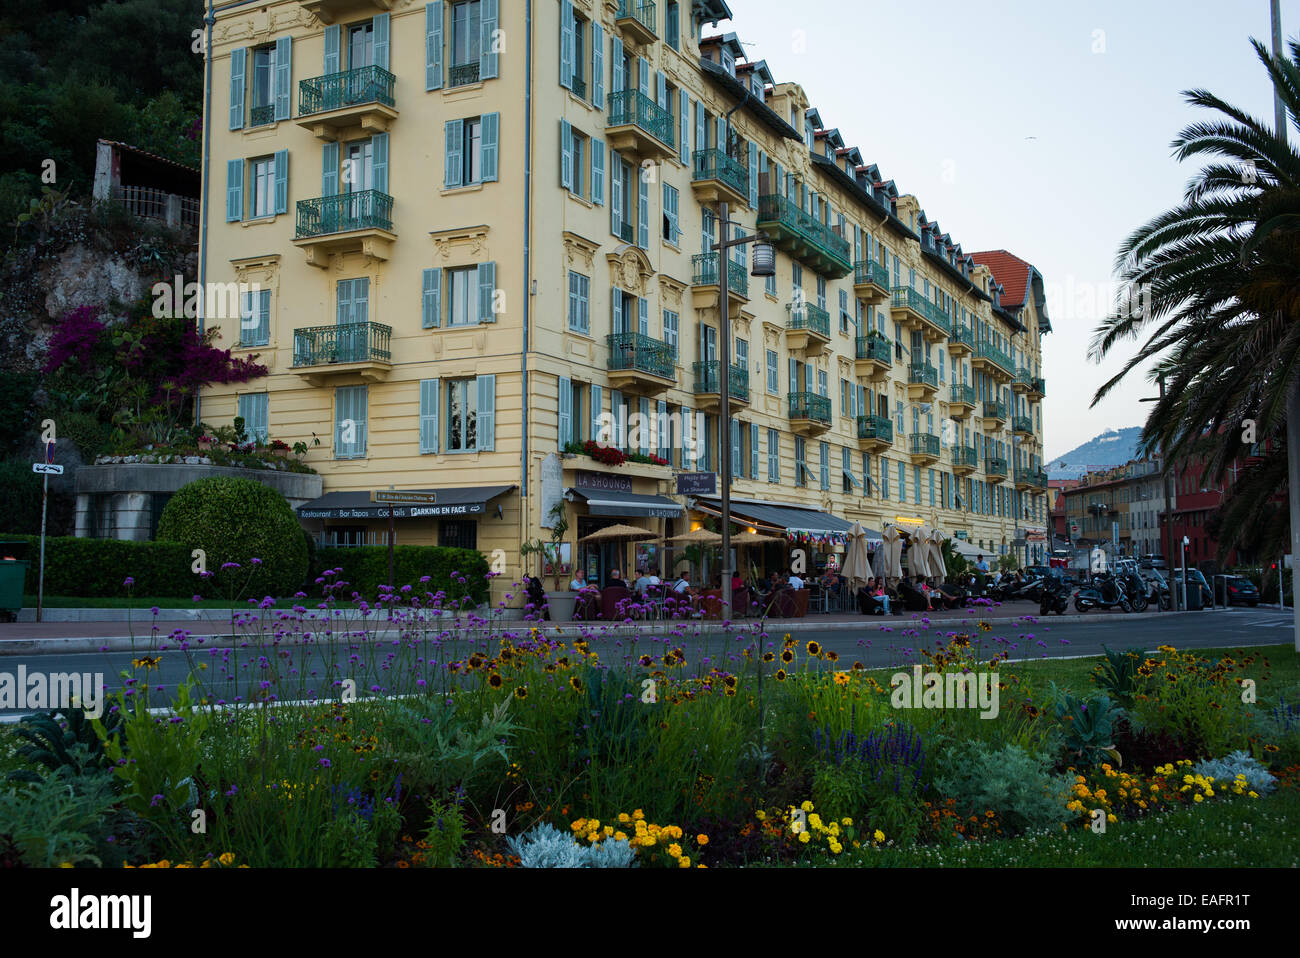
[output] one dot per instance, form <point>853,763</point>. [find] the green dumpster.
<point>13,573</point>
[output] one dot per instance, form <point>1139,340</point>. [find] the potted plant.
<point>205,442</point>
<point>279,449</point>
<point>560,600</point>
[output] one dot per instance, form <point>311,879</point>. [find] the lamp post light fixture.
<point>764,264</point>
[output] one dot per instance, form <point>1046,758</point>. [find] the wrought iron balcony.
<point>717,177</point>
<point>914,310</point>
<point>962,395</point>
<point>870,281</point>
<point>810,241</point>
<point>875,432</point>
<point>1022,425</point>
<point>961,341</point>
<point>640,362</point>
<point>1037,388</point>
<point>637,20</point>
<point>874,357</point>
<point>965,460</point>
<point>995,469</point>
<point>261,115</point>
<point>808,316</point>
<point>708,386</point>
<point>1022,380</point>
<point>1027,479</point>
<point>923,374</point>
<point>322,353</point>
<point>639,126</point>
<point>993,360</point>
<point>995,410</point>
<point>579,87</point>
<point>704,272</point>
<point>345,222</point>
<point>923,446</point>
<point>333,103</point>
<point>809,413</point>
<point>463,74</point>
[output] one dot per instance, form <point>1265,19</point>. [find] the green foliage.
<point>239,520</point>
<point>52,744</point>
<point>440,750</point>
<point>17,413</point>
<point>1117,674</point>
<point>20,496</point>
<point>445,834</point>
<point>350,842</point>
<point>98,567</point>
<point>1015,784</point>
<point>365,569</point>
<point>58,819</point>
<point>1086,727</point>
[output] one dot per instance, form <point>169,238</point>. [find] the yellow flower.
<point>1199,797</point>
<point>1112,819</point>
<point>623,817</point>
<point>807,806</point>
<point>761,815</point>
<point>846,821</point>
<point>684,862</point>
<point>65,864</point>
<point>674,850</point>
<point>804,838</point>
<point>226,858</point>
<point>878,835</point>
<point>701,839</point>
<point>620,836</point>
<point>637,813</point>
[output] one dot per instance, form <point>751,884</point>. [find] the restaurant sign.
<point>397,497</point>
<point>603,481</point>
<point>399,512</point>
<point>696,483</point>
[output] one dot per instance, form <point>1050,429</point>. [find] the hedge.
<point>96,568</point>
<point>365,568</point>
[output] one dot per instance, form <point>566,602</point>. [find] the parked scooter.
<point>1109,592</point>
<point>1054,596</point>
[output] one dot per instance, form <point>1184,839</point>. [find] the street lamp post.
<point>724,378</point>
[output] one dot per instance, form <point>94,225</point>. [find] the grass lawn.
<point>1241,833</point>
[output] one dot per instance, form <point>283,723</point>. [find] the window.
<point>884,478</point>
<point>824,461</point>
<point>579,303</point>
<point>262,83</point>
<point>622,202</point>
<point>471,150</point>
<point>254,409</point>
<point>350,409</point>
<point>773,378</point>
<point>773,456</point>
<point>800,461</point>
<point>466,34</point>
<point>916,485</point>
<point>458,533</point>
<point>462,415</point>
<point>261,186</point>
<point>462,296</point>
<point>931,471</point>
<point>352,301</point>
<point>671,331</point>
<point>255,318</point>
<point>742,355</point>
<point>846,318</point>
<point>671,227</point>
<point>672,25</point>
<point>581,151</point>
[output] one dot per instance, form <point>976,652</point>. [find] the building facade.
<point>475,235</point>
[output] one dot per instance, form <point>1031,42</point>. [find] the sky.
<point>1042,128</point>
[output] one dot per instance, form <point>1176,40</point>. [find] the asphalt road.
<point>385,665</point>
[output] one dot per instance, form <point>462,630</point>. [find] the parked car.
<point>1241,591</point>
<point>1194,576</point>
<point>1153,562</point>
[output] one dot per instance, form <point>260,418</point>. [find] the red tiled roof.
<point>1010,271</point>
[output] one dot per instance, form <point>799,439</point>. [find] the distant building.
<point>149,186</point>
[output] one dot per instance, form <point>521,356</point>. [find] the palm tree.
<point>1219,284</point>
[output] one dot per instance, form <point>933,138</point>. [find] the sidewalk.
<point>213,627</point>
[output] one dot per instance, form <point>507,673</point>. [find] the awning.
<point>788,519</point>
<point>455,501</point>
<point>967,550</point>
<point>606,502</point>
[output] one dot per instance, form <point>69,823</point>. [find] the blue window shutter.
<point>453,161</point>
<point>282,181</point>
<point>379,162</point>
<point>753,450</point>
<point>567,26</point>
<point>737,467</point>
<point>616,64</point>
<point>753,175</point>
<point>487,413</point>
<point>566,154</point>
<point>643,316</point>
<point>487,285</point>
<point>565,411</point>
<point>597,67</point>
<point>361,300</point>
<point>237,59</point>
<point>616,310</point>
<point>431,299</point>
<point>433,46</point>
<point>234,190</point>
<point>283,76</point>
<point>683,144</point>
<point>661,91</point>
<point>343,302</point>
<point>701,129</point>
<point>598,172</point>
<point>794,377</point>
<point>430,394</point>
<point>670,210</point>
<point>487,58</point>
<point>616,195</point>
<point>643,407</point>
<point>642,212</point>
<point>490,135</point>
<point>596,400</point>
<point>381,40</point>
<point>329,178</point>
<point>722,135</point>
<point>333,41</point>
<point>643,76</point>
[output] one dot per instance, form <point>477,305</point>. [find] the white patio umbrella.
<point>857,564</point>
<point>890,555</point>
<point>937,567</point>
<point>918,558</point>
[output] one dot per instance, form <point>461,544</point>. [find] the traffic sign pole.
<point>40,588</point>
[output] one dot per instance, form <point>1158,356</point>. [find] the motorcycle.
<point>1054,596</point>
<point>1109,592</point>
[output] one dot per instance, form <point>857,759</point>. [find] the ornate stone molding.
<point>465,241</point>
<point>671,292</point>
<point>630,268</point>
<point>579,251</point>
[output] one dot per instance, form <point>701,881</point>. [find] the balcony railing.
<point>1022,424</point>
<point>787,220</point>
<point>717,165</point>
<point>923,374</point>
<point>261,115</point>
<point>904,297</point>
<point>640,352</point>
<point>875,347</point>
<point>366,209</point>
<point>643,13</point>
<point>965,456</point>
<point>463,74</point>
<point>993,466</point>
<point>1040,386</point>
<point>989,351</point>
<point>345,343</point>
<point>810,406</point>
<point>868,271</point>
<point>577,84</point>
<point>334,91</point>
<point>995,410</point>
<point>707,379</point>
<point>875,427</point>
<point>808,316</point>
<point>925,444</point>
<point>631,107</point>
<point>705,273</point>
<point>1032,477</point>
<point>963,394</point>
<point>962,336</point>
<point>1022,378</point>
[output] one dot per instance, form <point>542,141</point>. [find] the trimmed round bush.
<point>238,520</point>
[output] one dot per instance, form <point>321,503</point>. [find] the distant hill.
<point>1114,447</point>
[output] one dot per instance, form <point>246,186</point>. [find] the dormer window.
<point>728,61</point>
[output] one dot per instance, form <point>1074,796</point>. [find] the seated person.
<point>579,581</point>
<point>536,596</point>
<point>913,599</point>
<point>642,580</point>
<point>615,579</point>
<point>774,583</point>
<point>737,583</point>
<point>872,599</point>
<point>682,587</point>
<point>794,581</point>
<point>939,597</point>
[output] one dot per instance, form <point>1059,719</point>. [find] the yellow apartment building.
<point>478,230</point>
